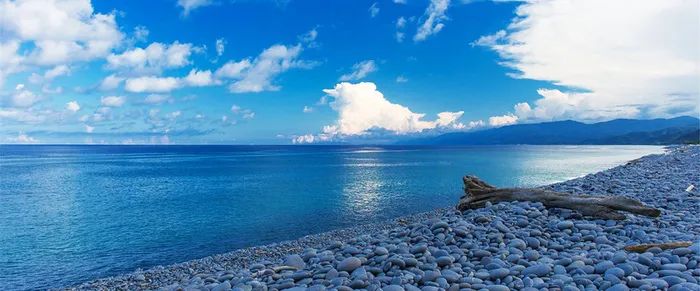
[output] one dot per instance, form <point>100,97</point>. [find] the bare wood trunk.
<point>664,246</point>
<point>479,192</point>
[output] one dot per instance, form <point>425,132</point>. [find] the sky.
<point>320,71</point>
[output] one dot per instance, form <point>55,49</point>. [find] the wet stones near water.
<point>507,246</point>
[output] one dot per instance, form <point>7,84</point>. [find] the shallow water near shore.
<point>75,213</point>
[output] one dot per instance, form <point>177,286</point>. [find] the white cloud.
<point>11,60</point>
<point>72,106</point>
<point>258,75</point>
<point>478,123</point>
<point>309,36</point>
<point>190,5</point>
<point>362,108</point>
<point>199,79</point>
<point>400,1</point>
<point>47,90</point>
<point>22,138</point>
<point>68,31</point>
<point>401,22</point>
<point>235,108</point>
<point>502,120</point>
<point>89,129</point>
<point>226,121</point>
<point>112,101</point>
<point>155,99</point>
<point>152,84</point>
<point>49,75</point>
<point>401,79</point>
<point>199,116</point>
<point>308,109</point>
<point>432,19</point>
<point>247,114</point>
<point>400,36</point>
<point>373,10</point>
<point>26,116</point>
<point>489,40</point>
<point>153,59</point>
<point>220,43</point>
<point>110,82</point>
<point>22,98</point>
<point>640,62</point>
<point>233,70</point>
<point>141,33</point>
<point>360,70</point>
<point>173,115</point>
<point>103,110</point>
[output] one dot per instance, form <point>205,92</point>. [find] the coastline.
<point>184,274</point>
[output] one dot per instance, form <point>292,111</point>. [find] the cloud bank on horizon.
<point>74,71</point>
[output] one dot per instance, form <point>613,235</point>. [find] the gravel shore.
<point>507,246</point>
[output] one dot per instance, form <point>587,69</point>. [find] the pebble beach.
<point>506,246</point>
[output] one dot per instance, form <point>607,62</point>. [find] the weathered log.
<point>479,192</point>
<point>664,246</point>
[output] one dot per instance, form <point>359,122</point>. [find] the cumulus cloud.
<point>360,70</point>
<point>69,31</point>
<point>200,78</point>
<point>507,119</point>
<point>111,82</point>
<point>233,70</point>
<point>400,24</point>
<point>89,129</point>
<point>22,138</point>
<point>246,114</point>
<point>308,109</point>
<point>258,75</point>
<point>432,19</point>
<point>112,101</point>
<point>141,33</point>
<point>72,106</point>
<point>12,61</point>
<point>309,36</point>
<point>631,64</point>
<point>49,75</point>
<point>21,98</point>
<point>374,10</point>
<point>362,108</point>
<point>190,5</point>
<point>155,99</point>
<point>153,59</point>
<point>220,43</point>
<point>152,84</point>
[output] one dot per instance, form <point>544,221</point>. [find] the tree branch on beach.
<point>479,192</point>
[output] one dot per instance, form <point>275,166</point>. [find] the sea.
<point>73,213</point>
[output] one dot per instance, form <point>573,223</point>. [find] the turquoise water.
<point>69,214</point>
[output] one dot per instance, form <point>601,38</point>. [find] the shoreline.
<point>182,274</point>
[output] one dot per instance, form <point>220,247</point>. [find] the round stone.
<point>566,224</point>
<point>349,264</point>
<point>294,261</point>
<point>537,270</point>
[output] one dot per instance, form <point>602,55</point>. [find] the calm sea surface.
<point>69,214</point>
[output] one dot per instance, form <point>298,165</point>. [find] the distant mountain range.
<point>615,132</point>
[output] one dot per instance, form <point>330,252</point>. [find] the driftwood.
<point>664,246</point>
<point>479,192</point>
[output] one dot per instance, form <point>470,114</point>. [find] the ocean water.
<point>70,214</point>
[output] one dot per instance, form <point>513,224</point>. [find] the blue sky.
<point>281,72</point>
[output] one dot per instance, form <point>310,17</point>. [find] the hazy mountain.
<point>618,131</point>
